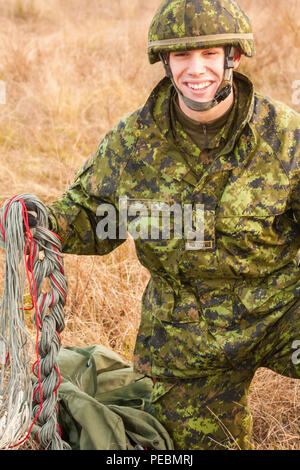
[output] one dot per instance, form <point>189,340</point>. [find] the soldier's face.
<point>199,73</point>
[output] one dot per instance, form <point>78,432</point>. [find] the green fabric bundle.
<point>104,404</point>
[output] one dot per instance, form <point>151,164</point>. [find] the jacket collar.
<point>156,143</point>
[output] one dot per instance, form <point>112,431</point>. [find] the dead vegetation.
<point>72,69</point>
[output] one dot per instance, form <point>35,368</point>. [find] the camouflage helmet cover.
<point>194,24</point>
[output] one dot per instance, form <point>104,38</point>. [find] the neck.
<point>211,114</point>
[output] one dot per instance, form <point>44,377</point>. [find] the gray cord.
<point>16,392</point>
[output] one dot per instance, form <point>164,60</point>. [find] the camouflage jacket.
<point>204,309</point>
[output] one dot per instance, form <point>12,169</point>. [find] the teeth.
<point>194,86</point>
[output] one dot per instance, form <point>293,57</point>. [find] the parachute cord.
<point>37,256</point>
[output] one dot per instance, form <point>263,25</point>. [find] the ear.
<point>237,58</point>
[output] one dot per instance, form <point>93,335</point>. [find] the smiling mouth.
<point>198,87</point>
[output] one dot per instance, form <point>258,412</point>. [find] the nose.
<point>196,63</point>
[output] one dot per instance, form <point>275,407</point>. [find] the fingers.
<point>31,206</point>
<point>32,220</point>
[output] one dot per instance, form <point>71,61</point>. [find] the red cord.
<point>58,257</point>
<point>2,230</point>
<point>33,294</point>
<point>57,285</point>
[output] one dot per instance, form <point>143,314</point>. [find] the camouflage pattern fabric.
<point>209,413</point>
<point>204,311</point>
<point>192,24</point>
<point>213,314</point>
<point>212,413</point>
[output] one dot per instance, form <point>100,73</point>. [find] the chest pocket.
<point>154,220</point>
<point>260,191</point>
<point>164,224</point>
<point>253,208</point>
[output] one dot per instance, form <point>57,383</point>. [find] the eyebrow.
<point>216,49</point>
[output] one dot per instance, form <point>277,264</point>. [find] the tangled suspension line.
<point>30,258</point>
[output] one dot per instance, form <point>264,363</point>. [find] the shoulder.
<point>279,126</point>
<point>122,137</point>
<point>275,110</point>
<point>117,145</point>
<point>274,118</point>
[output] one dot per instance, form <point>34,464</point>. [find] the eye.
<point>180,54</point>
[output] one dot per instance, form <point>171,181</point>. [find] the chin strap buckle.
<point>165,62</point>
<point>229,57</point>
<point>223,94</point>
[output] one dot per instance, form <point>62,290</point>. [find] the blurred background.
<point>71,69</point>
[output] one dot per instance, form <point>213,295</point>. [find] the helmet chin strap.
<point>223,91</point>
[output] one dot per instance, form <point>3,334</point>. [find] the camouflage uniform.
<point>210,316</point>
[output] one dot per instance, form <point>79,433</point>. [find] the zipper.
<point>205,134</point>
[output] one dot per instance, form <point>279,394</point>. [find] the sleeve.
<point>295,196</point>
<point>294,160</point>
<point>74,217</point>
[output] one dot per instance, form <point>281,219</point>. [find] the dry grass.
<point>72,70</point>
<point>275,406</point>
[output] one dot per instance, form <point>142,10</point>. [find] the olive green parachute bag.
<point>105,405</point>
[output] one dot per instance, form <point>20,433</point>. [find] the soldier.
<point>214,310</point>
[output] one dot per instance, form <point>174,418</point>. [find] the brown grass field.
<point>72,69</point>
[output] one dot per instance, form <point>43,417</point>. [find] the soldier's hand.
<point>32,215</point>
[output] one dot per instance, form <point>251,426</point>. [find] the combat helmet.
<point>181,25</point>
